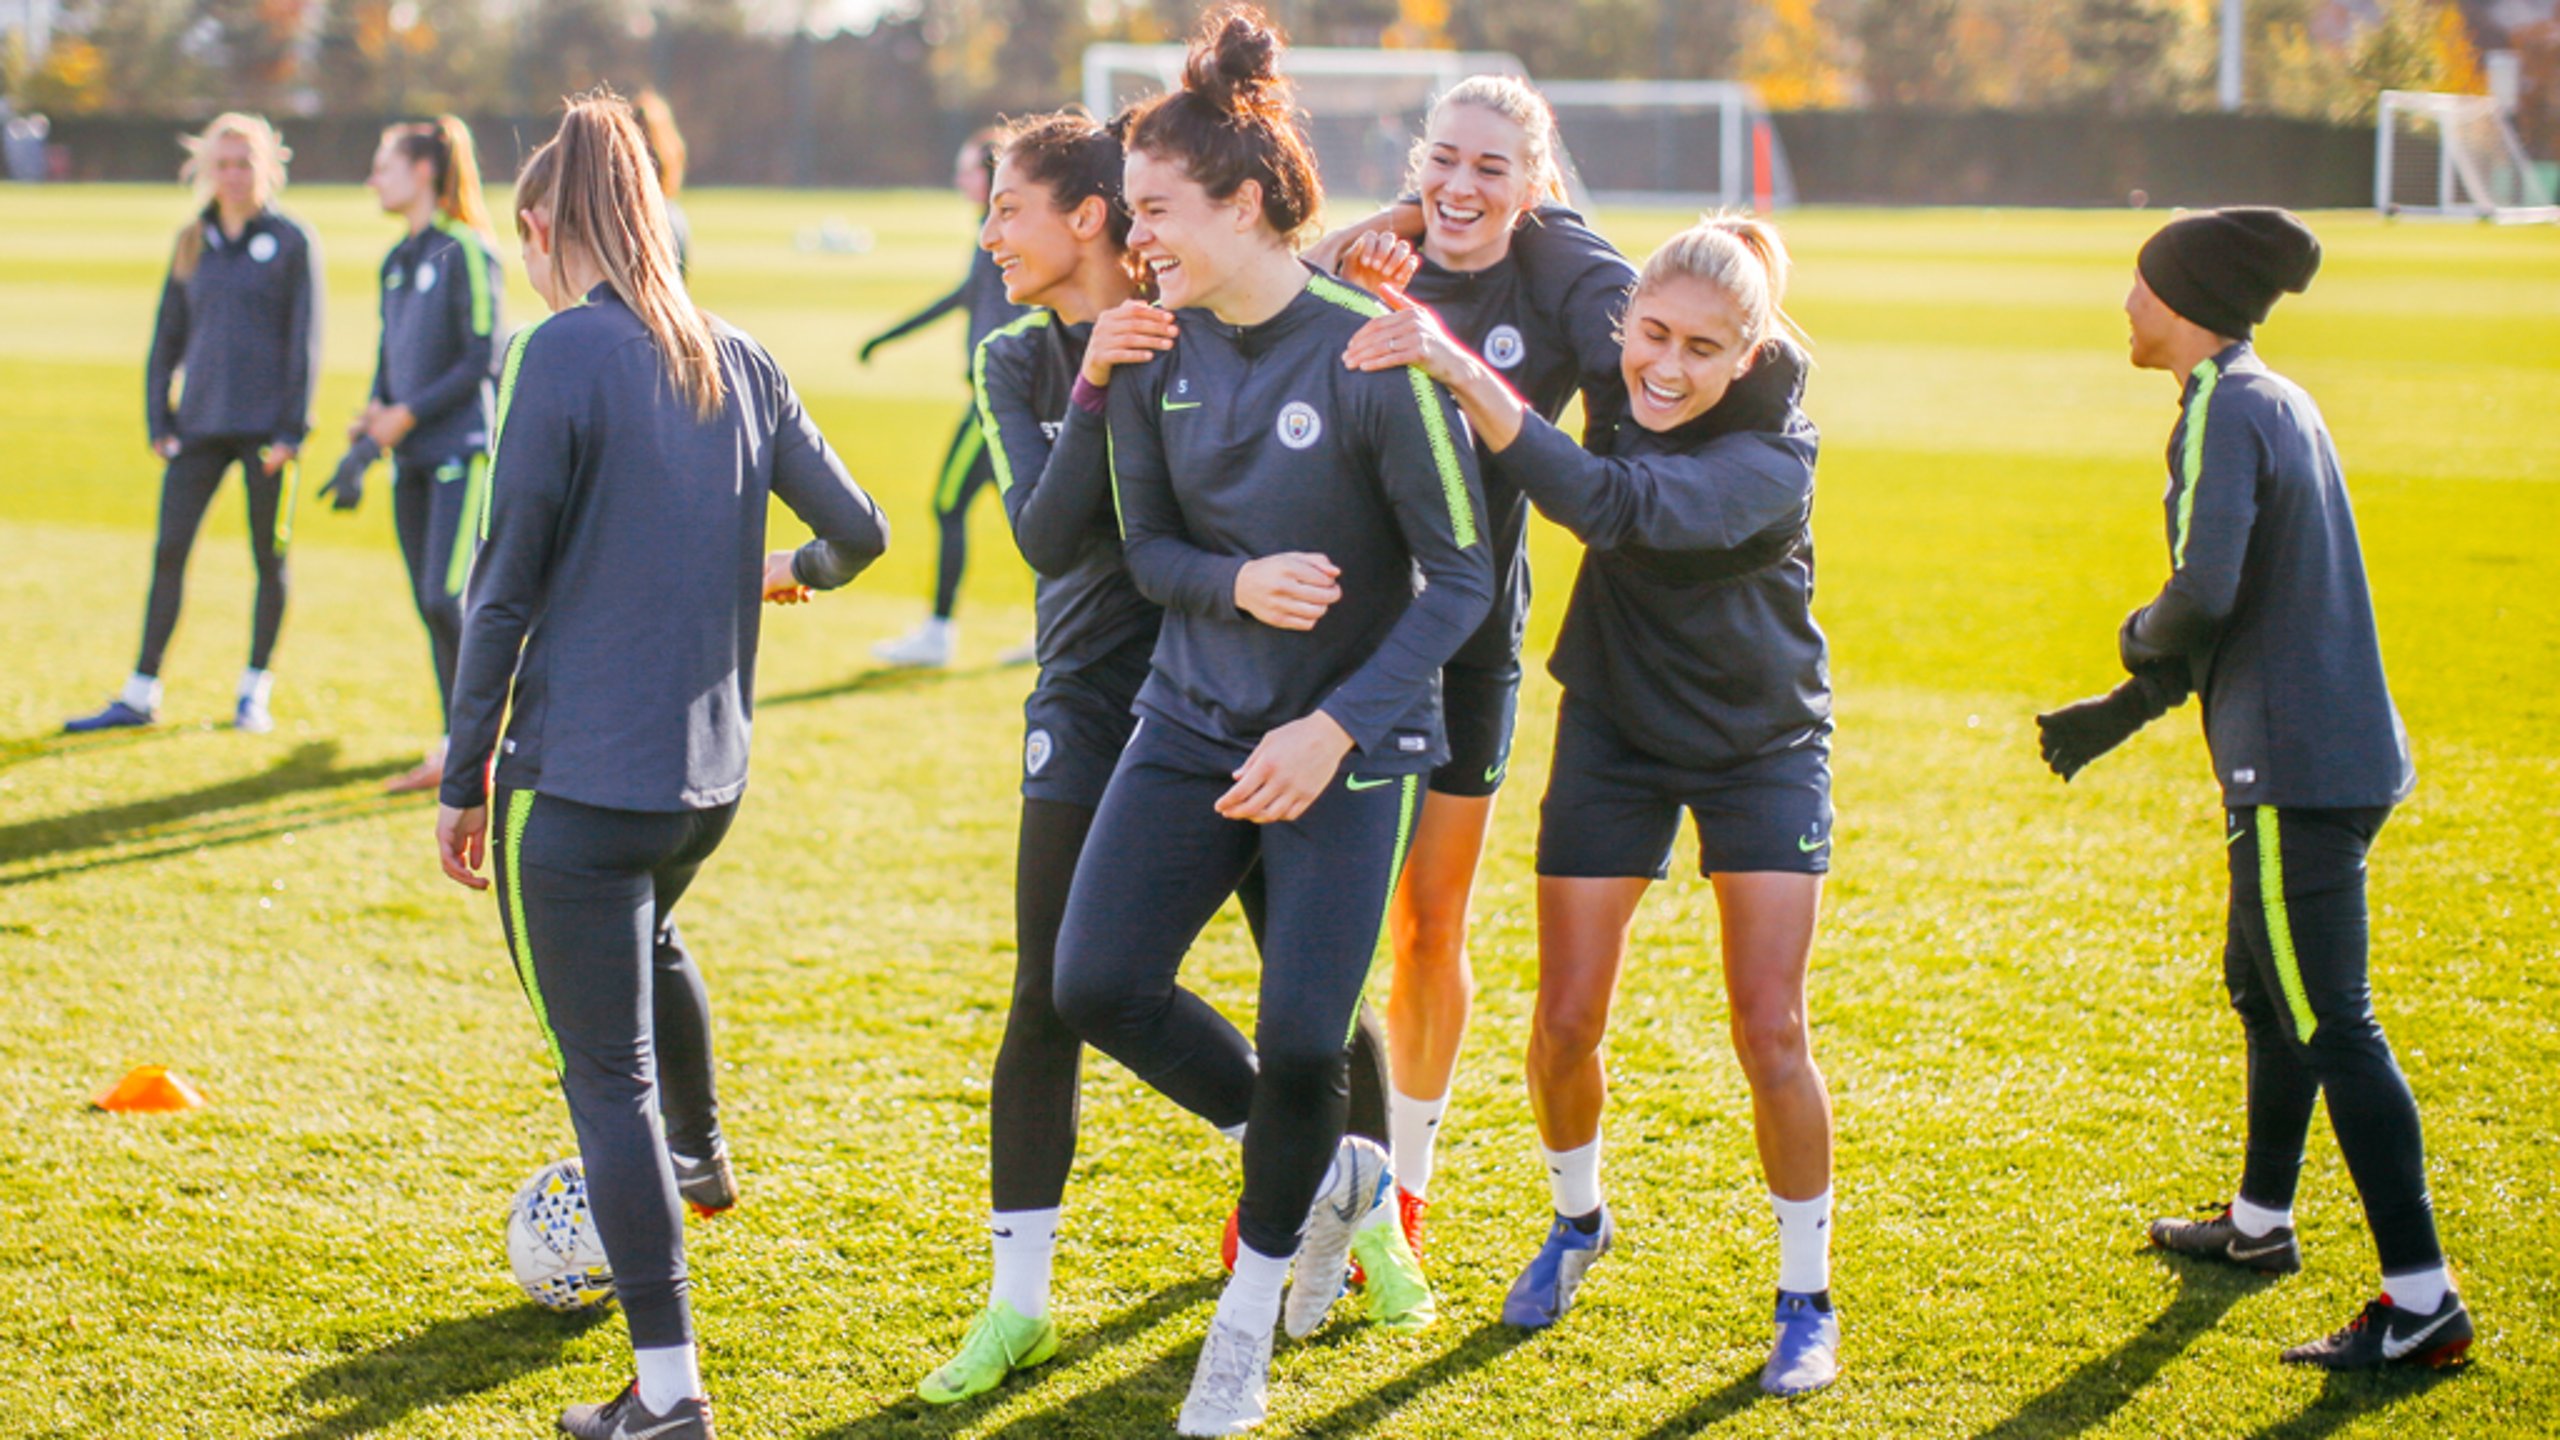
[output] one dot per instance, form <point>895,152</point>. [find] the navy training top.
<point>245,331</point>
<point>440,290</point>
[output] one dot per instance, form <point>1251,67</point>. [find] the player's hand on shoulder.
<point>1129,333</point>
<point>1409,335</point>
<point>1380,261</point>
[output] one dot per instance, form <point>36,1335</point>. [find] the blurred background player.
<point>240,319</point>
<point>2266,617</point>
<point>430,404</point>
<point>966,466</point>
<point>639,441</point>
<point>667,153</point>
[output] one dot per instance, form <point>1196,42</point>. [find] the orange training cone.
<point>149,1088</point>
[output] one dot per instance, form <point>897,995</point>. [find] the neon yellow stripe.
<point>292,498</point>
<point>519,944</point>
<point>986,410</point>
<point>507,383</point>
<point>2280,924</point>
<point>2191,457</point>
<point>1435,424</point>
<point>484,307</point>
<point>964,453</point>
<point>1408,791</point>
<point>1111,458</point>
<point>475,514</point>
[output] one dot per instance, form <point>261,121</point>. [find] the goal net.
<point>1675,142</point>
<point>2454,155</point>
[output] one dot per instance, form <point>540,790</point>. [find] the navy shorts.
<point>1479,709</point>
<point>1612,811</point>
<point>1076,723</point>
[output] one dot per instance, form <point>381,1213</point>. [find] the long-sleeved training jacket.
<point>2266,605</point>
<point>440,290</point>
<point>617,597</point>
<point>245,329</point>
<point>1243,442</point>
<point>1546,316</point>
<point>1053,468</point>
<point>1691,623</point>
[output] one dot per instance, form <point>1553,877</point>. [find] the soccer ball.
<point>552,1243</point>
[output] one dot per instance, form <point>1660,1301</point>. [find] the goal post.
<point>2454,156</point>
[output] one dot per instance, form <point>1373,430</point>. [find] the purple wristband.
<point>1088,397</point>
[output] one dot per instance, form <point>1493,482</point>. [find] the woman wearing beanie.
<point>2267,618</point>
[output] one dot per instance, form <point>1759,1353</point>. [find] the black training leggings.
<point>2295,964</point>
<point>965,471</point>
<point>584,894</point>
<point>436,508</point>
<point>1033,1097</point>
<point>186,492</point>
<point>1159,862</point>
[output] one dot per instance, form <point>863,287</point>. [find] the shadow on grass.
<point>1482,1346</point>
<point>40,747</point>
<point>1736,1395</point>
<point>2091,1395</point>
<point>1113,1409</point>
<point>203,816</point>
<point>448,1361</point>
<point>883,679</point>
<point>2346,1398</point>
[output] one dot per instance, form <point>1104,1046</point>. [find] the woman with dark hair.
<point>430,405</point>
<point>1315,535</point>
<point>606,679</point>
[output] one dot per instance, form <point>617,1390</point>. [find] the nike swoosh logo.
<point>1185,405</point>
<point>2396,1346</point>
<point>623,1430</point>
<point>2255,1251</point>
<point>1807,844</point>
<point>1493,773</point>
<point>1356,783</point>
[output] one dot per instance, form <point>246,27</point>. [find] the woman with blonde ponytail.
<point>240,320</point>
<point>1694,679</point>
<point>610,633</point>
<point>430,405</point>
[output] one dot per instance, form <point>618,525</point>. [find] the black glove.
<point>345,489</point>
<point>2074,735</point>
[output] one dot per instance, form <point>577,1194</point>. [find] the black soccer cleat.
<point>624,1418</point>
<point>709,1186</point>
<point>2275,1253</point>
<point>2384,1334</point>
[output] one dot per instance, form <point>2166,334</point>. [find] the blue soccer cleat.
<point>1545,1290</point>
<point>1806,1355</point>
<point>251,717</point>
<point>117,716</point>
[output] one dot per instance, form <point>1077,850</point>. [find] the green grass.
<point>2017,989</point>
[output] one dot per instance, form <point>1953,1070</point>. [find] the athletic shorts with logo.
<point>1479,708</point>
<point>1075,723</point>
<point>1612,811</point>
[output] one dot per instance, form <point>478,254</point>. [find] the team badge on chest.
<point>1504,347</point>
<point>262,248</point>
<point>426,276</point>
<point>1300,426</point>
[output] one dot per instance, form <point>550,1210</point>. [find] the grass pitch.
<point>2016,995</point>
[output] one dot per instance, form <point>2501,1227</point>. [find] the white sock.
<point>1233,1132</point>
<point>1251,1301</point>
<point>1025,1243</point>
<point>2419,1290</point>
<point>1575,1176</point>
<point>257,685</point>
<point>1804,1243</point>
<point>668,1377</point>
<point>142,692</point>
<point>2255,1220</point>
<point>1413,1127</point>
<point>937,626</point>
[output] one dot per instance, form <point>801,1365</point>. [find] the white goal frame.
<point>2481,171</point>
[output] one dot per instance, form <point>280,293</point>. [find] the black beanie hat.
<point>2223,269</point>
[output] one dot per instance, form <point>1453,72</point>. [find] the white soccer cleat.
<point>1362,1179</point>
<point>926,647</point>
<point>1231,1386</point>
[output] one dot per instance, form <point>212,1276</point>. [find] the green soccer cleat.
<point>1396,1294</point>
<point>1000,1341</point>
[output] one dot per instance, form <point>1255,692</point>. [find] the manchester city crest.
<point>1299,426</point>
<point>1504,347</point>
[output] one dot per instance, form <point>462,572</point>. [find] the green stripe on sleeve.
<point>520,944</point>
<point>1111,461</point>
<point>990,431</point>
<point>2191,457</point>
<point>484,307</point>
<point>1444,456</point>
<point>507,383</point>
<point>2280,924</point>
<point>473,525</point>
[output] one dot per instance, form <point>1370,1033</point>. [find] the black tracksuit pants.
<point>186,492</point>
<point>585,895</point>
<point>1157,865</point>
<point>1032,1098</point>
<point>2294,961</point>
<point>436,508</point>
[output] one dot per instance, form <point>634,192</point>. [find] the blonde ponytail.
<point>1740,255</point>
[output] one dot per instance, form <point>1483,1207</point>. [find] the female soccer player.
<point>430,403</point>
<point>1316,538</point>
<point>966,467</point>
<point>1536,295</point>
<point>667,154</point>
<point>2267,617</point>
<point>240,315</point>
<point>612,623</point>
<point>1694,678</point>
